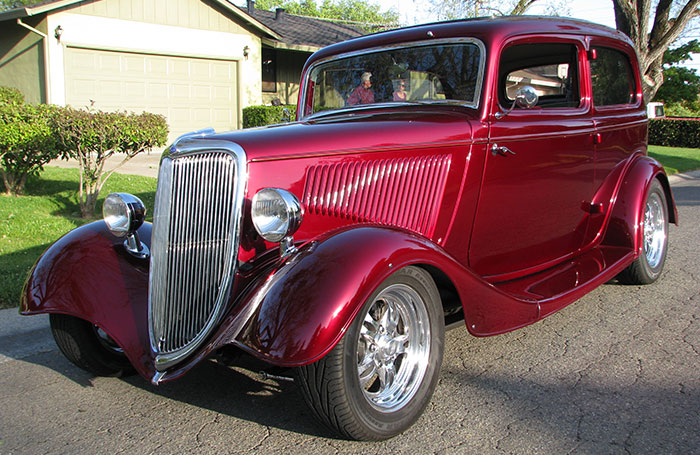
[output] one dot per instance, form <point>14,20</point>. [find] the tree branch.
<point>678,24</point>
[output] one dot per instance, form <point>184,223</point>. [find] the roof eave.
<point>290,47</point>
<point>27,11</point>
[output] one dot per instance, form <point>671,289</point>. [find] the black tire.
<point>648,266</point>
<point>81,343</point>
<point>332,386</point>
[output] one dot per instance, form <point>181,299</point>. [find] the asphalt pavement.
<point>617,372</point>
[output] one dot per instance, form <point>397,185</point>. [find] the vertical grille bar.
<point>193,248</point>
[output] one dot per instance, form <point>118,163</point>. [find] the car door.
<point>539,169</point>
<point>620,118</point>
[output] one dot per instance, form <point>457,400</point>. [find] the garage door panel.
<point>221,71</point>
<point>157,92</point>
<point>157,67</point>
<point>135,89</point>
<point>200,71</point>
<point>135,66</point>
<point>192,93</point>
<point>109,63</point>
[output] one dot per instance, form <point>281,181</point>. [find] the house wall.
<point>176,13</point>
<point>289,66</point>
<point>22,59</point>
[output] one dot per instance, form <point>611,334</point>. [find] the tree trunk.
<point>632,19</point>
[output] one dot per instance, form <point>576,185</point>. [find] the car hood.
<point>355,131</point>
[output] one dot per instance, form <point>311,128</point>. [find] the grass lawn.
<point>676,160</point>
<point>49,209</point>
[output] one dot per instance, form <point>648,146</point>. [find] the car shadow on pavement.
<point>241,394</point>
<point>582,414</point>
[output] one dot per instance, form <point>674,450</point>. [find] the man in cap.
<point>362,93</point>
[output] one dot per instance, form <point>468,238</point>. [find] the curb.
<point>685,176</point>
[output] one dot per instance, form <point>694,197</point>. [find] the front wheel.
<point>379,378</point>
<point>647,267</point>
<point>88,346</point>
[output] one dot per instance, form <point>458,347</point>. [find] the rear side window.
<point>550,68</point>
<point>612,77</point>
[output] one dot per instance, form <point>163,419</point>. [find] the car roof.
<point>489,30</point>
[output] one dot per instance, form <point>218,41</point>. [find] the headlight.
<point>123,213</point>
<point>276,214</point>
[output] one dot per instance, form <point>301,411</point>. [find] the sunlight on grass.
<point>676,160</point>
<point>48,210</point>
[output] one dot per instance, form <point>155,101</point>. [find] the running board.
<point>573,277</point>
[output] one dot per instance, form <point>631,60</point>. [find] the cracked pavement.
<point>616,372</point>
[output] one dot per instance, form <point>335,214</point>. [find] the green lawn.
<point>49,209</point>
<point>29,224</point>
<point>676,160</point>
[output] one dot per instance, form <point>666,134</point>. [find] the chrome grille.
<point>193,249</point>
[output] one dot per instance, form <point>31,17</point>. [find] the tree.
<point>355,12</point>
<point>681,85</point>
<point>94,136</point>
<point>11,4</point>
<point>670,18</point>
<point>457,9</point>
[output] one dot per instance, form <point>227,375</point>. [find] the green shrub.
<point>92,137</point>
<point>266,115</point>
<point>28,141</point>
<point>11,95</point>
<point>682,110</point>
<point>675,132</point>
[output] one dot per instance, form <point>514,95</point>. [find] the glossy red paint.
<point>88,262</point>
<point>518,236</point>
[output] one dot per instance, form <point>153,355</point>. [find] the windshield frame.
<point>406,45</point>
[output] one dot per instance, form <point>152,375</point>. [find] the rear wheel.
<point>648,266</point>
<point>378,379</point>
<point>88,346</point>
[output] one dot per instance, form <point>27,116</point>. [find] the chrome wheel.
<point>654,230</point>
<point>654,239</point>
<point>393,347</point>
<point>380,376</point>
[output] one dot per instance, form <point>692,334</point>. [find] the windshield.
<point>448,72</point>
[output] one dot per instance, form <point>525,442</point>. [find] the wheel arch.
<point>624,226</point>
<point>304,314</point>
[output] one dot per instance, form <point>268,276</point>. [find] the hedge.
<point>266,115</point>
<point>675,132</point>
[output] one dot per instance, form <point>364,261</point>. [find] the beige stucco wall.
<point>177,13</point>
<point>22,59</point>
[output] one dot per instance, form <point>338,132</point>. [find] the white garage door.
<point>192,93</point>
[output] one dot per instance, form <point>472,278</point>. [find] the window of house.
<point>269,70</point>
<point>613,79</point>
<point>550,68</point>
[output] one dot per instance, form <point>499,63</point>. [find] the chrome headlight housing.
<point>123,213</point>
<point>276,214</point>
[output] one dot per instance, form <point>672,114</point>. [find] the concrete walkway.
<point>145,164</point>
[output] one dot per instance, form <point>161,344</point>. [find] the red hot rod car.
<point>487,173</point>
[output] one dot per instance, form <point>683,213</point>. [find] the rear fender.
<point>88,274</point>
<point>625,225</point>
<point>306,307</point>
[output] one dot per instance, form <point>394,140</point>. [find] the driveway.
<point>617,372</point>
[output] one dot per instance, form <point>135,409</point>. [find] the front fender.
<point>88,274</point>
<point>305,308</point>
<point>625,227</point>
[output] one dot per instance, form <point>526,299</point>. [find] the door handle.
<point>501,150</point>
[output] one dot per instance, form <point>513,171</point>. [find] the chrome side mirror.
<point>526,98</point>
